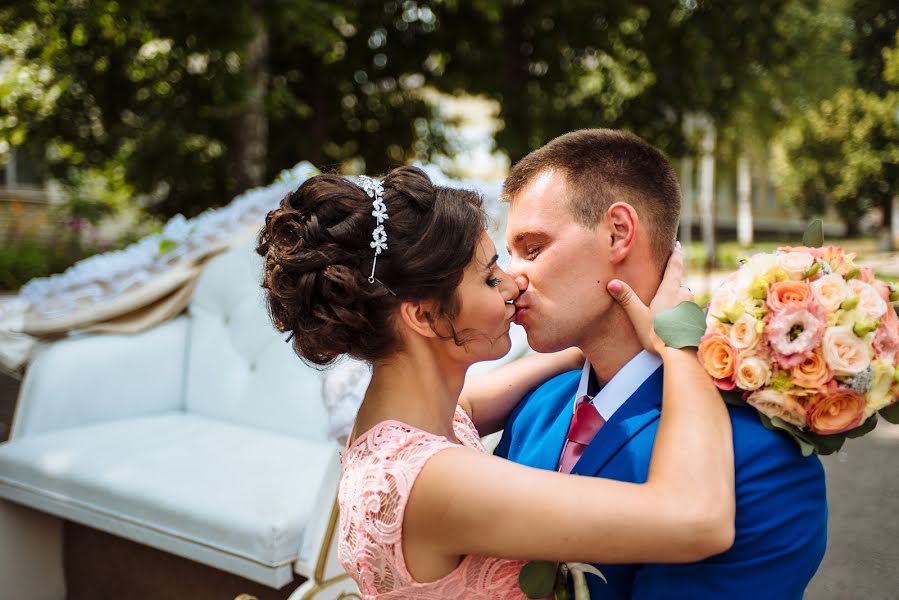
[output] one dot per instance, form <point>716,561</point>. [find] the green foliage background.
<point>178,106</point>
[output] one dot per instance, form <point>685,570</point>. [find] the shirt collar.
<point>622,385</point>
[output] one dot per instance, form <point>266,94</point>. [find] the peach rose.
<point>752,372</point>
<point>844,352</point>
<point>796,263</point>
<point>716,326</point>
<point>812,372</point>
<point>718,358</point>
<point>785,293</point>
<point>774,404</point>
<point>829,291</point>
<point>744,335</point>
<point>837,411</point>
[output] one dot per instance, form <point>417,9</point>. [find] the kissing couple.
<point>617,450</point>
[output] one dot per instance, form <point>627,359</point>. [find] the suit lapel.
<point>641,409</point>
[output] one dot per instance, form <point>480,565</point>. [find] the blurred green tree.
<point>183,105</point>
<point>843,151</point>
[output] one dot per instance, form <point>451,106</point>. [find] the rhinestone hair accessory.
<point>375,191</point>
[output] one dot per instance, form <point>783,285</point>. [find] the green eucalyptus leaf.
<point>805,446</point>
<point>891,413</point>
<point>863,429</point>
<point>814,234</point>
<point>826,444</point>
<point>538,578</point>
<point>681,327</point>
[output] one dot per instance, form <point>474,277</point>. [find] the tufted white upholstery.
<point>238,367</point>
<point>205,436</point>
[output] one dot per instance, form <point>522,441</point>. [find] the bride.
<point>402,274</point>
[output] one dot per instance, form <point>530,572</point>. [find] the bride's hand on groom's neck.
<point>671,292</point>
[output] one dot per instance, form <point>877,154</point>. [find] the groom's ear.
<point>622,222</point>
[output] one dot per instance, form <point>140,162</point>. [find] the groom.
<point>598,204</point>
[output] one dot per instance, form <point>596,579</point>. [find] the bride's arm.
<point>488,398</point>
<point>465,502</point>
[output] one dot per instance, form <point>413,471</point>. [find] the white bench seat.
<point>261,505</point>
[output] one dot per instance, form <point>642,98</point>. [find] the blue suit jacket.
<point>781,520</point>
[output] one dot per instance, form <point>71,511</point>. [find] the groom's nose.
<point>518,276</point>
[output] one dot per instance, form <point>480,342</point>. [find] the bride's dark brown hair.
<point>318,258</point>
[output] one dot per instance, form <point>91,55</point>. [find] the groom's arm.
<point>781,527</point>
<point>489,398</point>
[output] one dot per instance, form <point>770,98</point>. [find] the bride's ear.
<point>622,222</point>
<point>418,317</point>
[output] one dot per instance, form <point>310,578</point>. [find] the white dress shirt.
<point>622,385</point>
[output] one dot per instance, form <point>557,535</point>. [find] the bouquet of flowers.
<point>803,335</point>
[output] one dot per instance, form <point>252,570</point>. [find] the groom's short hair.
<point>604,166</point>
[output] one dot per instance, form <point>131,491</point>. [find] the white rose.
<point>844,352</point>
<point>774,404</point>
<point>752,373</point>
<point>744,335</point>
<point>796,263</point>
<point>870,301</point>
<point>829,291</point>
<point>758,265</point>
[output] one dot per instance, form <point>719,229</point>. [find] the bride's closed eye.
<point>494,281</point>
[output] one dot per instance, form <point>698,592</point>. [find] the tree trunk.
<point>688,201</point>
<point>315,81</point>
<point>252,139</point>
<point>889,227</point>
<point>514,86</point>
<point>744,200</point>
<point>686,219</point>
<point>707,190</point>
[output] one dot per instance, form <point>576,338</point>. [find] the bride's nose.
<point>508,289</point>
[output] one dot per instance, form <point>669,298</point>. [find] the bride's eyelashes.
<point>494,281</point>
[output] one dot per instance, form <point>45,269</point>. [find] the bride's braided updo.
<point>318,258</point>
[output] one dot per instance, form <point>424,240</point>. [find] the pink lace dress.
<point>379,469</point>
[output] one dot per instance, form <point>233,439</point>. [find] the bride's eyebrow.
<point>491,262</point>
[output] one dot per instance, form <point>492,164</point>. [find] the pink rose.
<point>796,263</point>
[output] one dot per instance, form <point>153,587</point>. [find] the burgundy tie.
<point>584,425</point>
